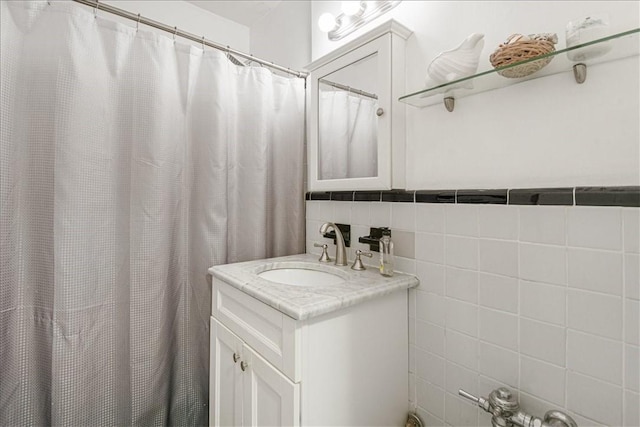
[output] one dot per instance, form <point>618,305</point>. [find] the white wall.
<point>283,36</point>
<point>546,132</point>
<point>186,17</point>
<point>541,299</point>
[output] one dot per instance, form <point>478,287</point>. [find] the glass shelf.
<point>623,45</point>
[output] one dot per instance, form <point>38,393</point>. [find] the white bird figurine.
<point>456,63</point>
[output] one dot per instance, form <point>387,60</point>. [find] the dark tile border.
<point>608,196</point>
<point>367,196</point>
<point>541,196</point>
<point>343,196</point>
<point>435,196</point>
<point>487,197</point>
<point>398,196</point>
<point>319,195</point>
<point>625,196</point>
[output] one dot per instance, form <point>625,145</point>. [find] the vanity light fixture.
<point>354,15</point>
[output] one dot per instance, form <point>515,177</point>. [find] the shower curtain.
<point>348,138</point>
<point>130,164</point>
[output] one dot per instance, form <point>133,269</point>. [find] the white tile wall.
<point>595,356</point>
<point>430,337</point>
<point>461,220</point>
<point>632,408</point>
<point>595,270</point>
<point>543,341</point>
<point>462,349</point>
<point>458,377</point>
<point>631,321</point>
<point>543,300</point>
<point>498,327</point>
<point>498,363</point>
<point>430,397</point>
<point>430,247</point>
<point>595,227</point>
<point>632,368</point>
<point>498,292</point>
<point>499,257</point>
<point>631,230</point>
<point>459,412</point>
<point>542,263</point>
<point>595,313</point>
<point>543,224</point>
<point>429,217</point>
<point>498,222</point>
<point>431,277</point>
<point>461,316</point>
<point>594,399</point>
<point>430,367</point>
<point>403,216</point>
<point>542,379</point>
<point>462,284</point>
<point>632,276</point>
<point>462,252</point>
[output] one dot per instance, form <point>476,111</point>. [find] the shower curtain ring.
<point>95,11</point>
<point>203,43</point>
<point>175,32</point>
<point>138,23</point>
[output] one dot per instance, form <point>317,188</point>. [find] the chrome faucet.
<point>341,251</point>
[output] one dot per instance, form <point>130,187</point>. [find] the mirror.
<point>351,103</point>
<point>347,121</point>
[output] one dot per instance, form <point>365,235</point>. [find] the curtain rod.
<point>349,89</point>
<point>176,32</point>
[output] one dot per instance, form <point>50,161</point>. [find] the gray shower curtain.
<point>129,164</point>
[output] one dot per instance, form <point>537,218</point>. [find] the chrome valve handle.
<point>505,411</point>
<point>480,401</point>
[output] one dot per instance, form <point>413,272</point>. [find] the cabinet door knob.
<point>244,365</point>
<point>236,357</point>
<point>379,112</point>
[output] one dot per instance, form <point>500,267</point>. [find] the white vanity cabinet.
<point>347,367</point>
<point>249,391</point>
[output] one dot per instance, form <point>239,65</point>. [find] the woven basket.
<point>521,51</point>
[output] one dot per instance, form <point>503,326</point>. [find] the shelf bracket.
<point>580,73</point>
<point>449,103</point>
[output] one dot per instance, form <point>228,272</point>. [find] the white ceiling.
<point>241,11</point>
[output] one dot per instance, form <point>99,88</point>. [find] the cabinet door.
<point>225,386</point>
<point>270,399</point>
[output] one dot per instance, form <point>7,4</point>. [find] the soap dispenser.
<point>386,253</point>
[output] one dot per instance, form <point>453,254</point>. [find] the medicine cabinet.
<point>356,129</point>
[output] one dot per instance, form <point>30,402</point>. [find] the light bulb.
<point>350,7</point>
<point>326,22</point>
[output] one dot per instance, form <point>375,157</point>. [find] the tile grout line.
<point>566,303</point>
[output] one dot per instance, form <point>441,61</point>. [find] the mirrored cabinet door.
<point>347,121</point>
<point>351,107</point>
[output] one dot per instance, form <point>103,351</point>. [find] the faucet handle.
<point>357,263</point>
<point>325,256</point>
<point>480,401</point>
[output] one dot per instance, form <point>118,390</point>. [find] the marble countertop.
<point>304,302</point>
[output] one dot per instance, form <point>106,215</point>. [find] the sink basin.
<point>301,277</point>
